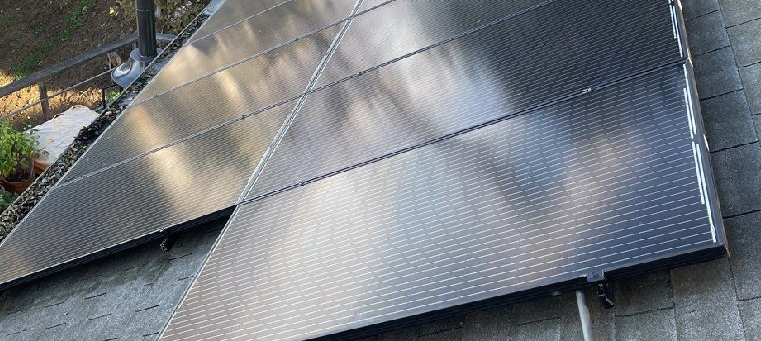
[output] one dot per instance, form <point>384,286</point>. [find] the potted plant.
<point>16,163</point>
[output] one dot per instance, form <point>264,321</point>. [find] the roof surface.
<point>131,295</point>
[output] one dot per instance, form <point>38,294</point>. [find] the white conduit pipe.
<point>586,323</point>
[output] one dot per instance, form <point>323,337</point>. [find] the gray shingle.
<point>706,33</point>
<point>444,330</point>
<point>746,42</point>
<point>536,310</point>
<point>717,73</point>
<point>643,293</point>
<point>657,325</point>
<point>705,302</point>
<point>740,11</point>
<point>750,311</point>
<point>727,121</point>
<point>751,77</point>
<point>738,178</point>
<point>124,296</point>
<point>694,8</point>
<point>487,325</point>
<point>547,330</point>
<point>743,234</point>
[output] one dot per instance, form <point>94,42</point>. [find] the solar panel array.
<point>482,152</point>
<point>396,158</point>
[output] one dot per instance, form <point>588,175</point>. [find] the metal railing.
<point>38,78</point>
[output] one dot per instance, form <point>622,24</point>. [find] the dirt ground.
<point>38,34</point>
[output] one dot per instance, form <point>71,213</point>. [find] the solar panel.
<point>486,74</point>
<point>255,36</point>
<point>427,23</point>
<point>227,95</point>
<point>177,184</point>
<point>597,182</point>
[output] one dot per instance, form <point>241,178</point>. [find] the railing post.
<point>44,101</point>
<point>146,29</point>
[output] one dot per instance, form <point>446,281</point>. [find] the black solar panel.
<point>190,180</point>
<point>538,32</point>
<point>465,82</point>
<point>245,88</point>
<point>262,33</point>
<point>596,182</point>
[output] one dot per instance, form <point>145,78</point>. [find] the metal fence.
<point>39,78</point>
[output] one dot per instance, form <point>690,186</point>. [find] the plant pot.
<point>19,186</point>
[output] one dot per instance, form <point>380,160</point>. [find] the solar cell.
<point>600,181</point>
<point>103,212</point>
<point>467,81</point>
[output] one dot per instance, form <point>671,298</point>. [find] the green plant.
<point>6,198</point>
<point>25,66</point>
<point>77,16</point>
<point>112,95</point>
<point>15,149</point>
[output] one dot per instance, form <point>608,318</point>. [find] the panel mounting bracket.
<point>604,289</point>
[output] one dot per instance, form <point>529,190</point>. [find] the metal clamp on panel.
<point>604,289</point>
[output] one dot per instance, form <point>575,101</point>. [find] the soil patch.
<point>38,34</point>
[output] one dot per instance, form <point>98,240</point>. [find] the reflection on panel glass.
<point>599,181</point>
<point>177,184</point>
<point>469,81</point>
<point>253,37</point>
<point>404,26</point>
<point>227,95</point>
<point>235,11</point>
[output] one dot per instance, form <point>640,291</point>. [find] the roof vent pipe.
<point>146,50</point>
<point>146,29</point>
